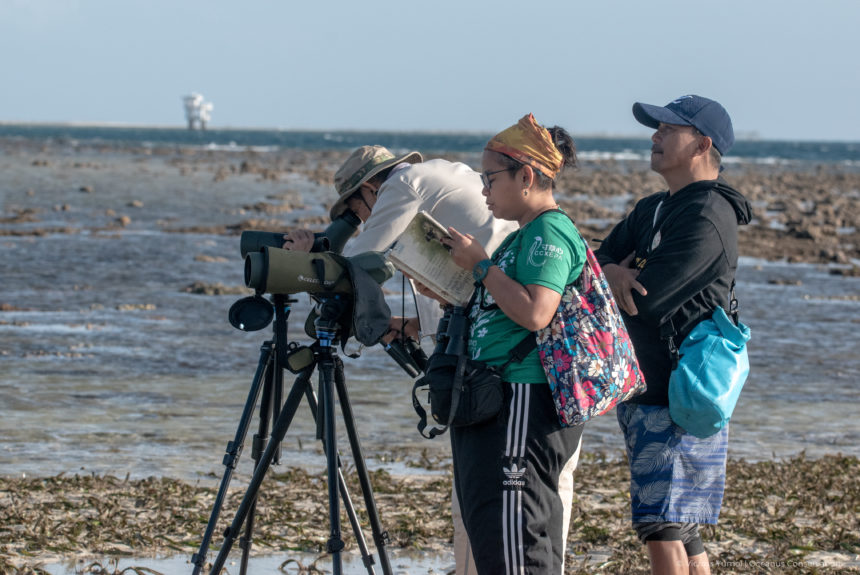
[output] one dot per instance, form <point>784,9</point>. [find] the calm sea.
<point>759,151</point>
<point>108,365</point>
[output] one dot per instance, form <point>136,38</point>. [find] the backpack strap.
<point>520,351</point>
<point>419,409</point>
<point>733,304</point>
<point>667,334</point>
<point>529,342</point>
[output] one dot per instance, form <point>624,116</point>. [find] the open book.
<point>420,254</point>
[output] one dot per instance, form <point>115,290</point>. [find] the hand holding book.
<point>464,250</point>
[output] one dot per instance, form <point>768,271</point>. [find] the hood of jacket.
<point>739,203</point>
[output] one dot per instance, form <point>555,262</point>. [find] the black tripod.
<point>320,356</point>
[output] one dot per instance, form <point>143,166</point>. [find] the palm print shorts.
<point>674,476</point>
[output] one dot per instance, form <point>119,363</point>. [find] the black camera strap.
<point>459,372</point>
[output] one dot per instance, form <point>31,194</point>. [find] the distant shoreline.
<point>179,126</point>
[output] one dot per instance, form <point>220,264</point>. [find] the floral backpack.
<point>586,351</point>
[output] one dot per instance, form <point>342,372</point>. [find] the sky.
<point>784,69</point>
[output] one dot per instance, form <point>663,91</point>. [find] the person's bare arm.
<point>531,306</point>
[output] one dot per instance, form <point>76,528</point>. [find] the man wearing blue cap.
<point>670,262</point>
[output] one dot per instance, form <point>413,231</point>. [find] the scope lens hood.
<point>257,270</point>
<point>251,313</point>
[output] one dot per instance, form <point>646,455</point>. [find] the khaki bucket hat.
<point>363,164</point>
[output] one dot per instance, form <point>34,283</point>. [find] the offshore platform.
<point>198,112</point>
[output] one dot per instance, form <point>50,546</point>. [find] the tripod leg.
<point>278,389</point>
<point>380,537</point>
<point>283,422</point>
<point>234,450</point>
<point>335,543</point>
<point>366,557</point>
<point>274,381</point>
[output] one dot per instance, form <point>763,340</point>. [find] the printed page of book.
<point>420,254</point>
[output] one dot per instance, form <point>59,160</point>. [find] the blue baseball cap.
<point>707,116</point>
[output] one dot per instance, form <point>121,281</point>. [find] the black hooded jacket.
<point>687,269</point>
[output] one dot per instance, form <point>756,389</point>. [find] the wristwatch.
<point>479,272</point>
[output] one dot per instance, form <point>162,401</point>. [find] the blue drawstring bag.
<point>713,366</point>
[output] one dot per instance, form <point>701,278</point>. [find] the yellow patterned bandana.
<point>529,143</point>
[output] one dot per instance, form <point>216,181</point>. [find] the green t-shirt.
<point>548,252</point>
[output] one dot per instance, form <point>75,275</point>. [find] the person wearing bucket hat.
<point>670,262</point>
<point>386,190</point>
<point>364,163</point>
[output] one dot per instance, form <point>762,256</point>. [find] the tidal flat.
<point>798,515</point>
<point>122,379</point>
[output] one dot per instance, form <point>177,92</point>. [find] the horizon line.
<point>747,136</point>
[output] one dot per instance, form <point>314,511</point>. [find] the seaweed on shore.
<point>800,515</point>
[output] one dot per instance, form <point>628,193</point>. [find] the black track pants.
<point>507,471</point>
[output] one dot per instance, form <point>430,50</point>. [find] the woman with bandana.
<point>507,469</point>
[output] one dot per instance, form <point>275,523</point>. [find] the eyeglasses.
<point>485,176</point>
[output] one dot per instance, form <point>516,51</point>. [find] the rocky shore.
<point>799,215</point>
<point>802,213</point>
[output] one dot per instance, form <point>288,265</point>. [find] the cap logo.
<point>678,101</point>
